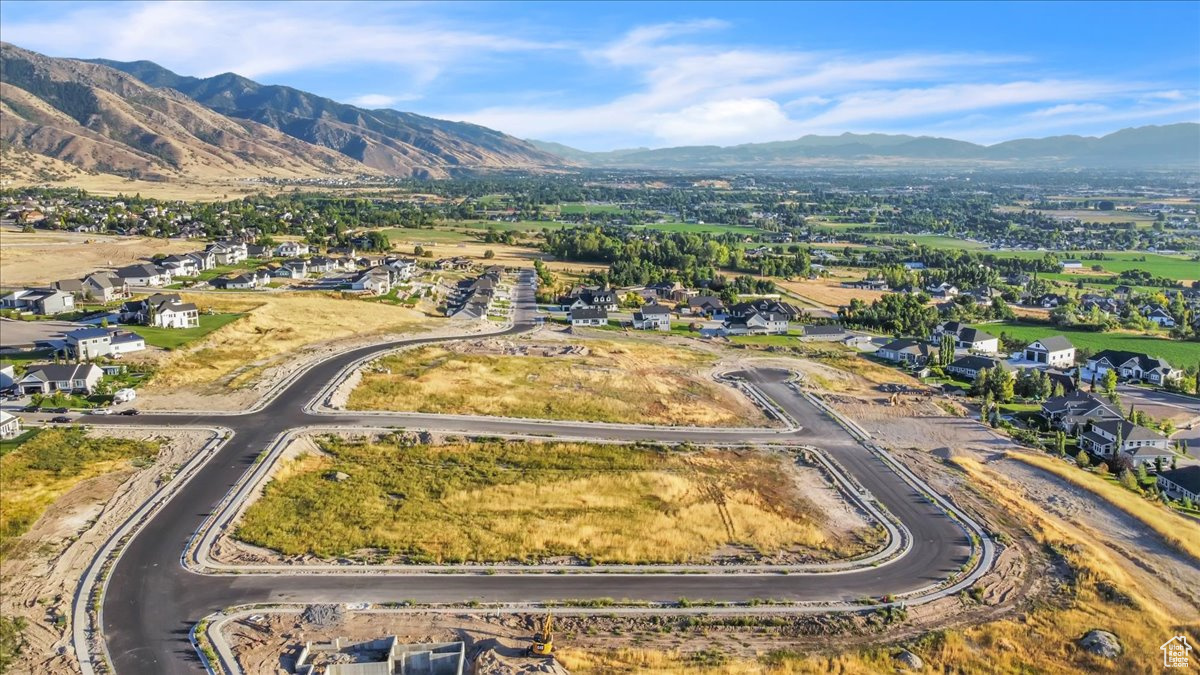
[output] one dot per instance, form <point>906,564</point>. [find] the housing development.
<point>310,387</point>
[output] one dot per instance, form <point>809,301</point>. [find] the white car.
<point>101,411</point>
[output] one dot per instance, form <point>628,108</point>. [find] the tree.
<point>1058,389</point>
<point>1060,441</point>
<point>1129,481</point>
<point>418,250</point>
<point>1110,386</point>
<point>489,254</point>
<point>946,350</point>
<point>1001,385</point>
<point>1082,459</point>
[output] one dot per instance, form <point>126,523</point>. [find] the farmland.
<point>1178,353</point>
<point>624,382</point>
<point>526,501</point>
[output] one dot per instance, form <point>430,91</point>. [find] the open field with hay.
<point>47,465</point>
<point>501,501</point>
<point>602,381</point>
<point>274,327</point>
<point>43,256</point>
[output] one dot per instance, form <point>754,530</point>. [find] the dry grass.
<point>1182,533</point>
<point>616,382</point>
<point>1040,639</point>
<point>44,256</point>
<point>828,292</point>
<point>276,326</point>
<point>501,501</point>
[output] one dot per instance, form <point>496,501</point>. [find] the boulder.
<point>1101,643</point>
<point>906,660</point>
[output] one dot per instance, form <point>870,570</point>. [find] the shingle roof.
<point>1055,343</point>
<point>1187,477</point>
<point>583,313</point>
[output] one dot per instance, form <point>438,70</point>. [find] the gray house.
<point>74,378</point>
<point>45,301</point>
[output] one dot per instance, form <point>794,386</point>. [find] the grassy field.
<point>49,464</point>
<point>616,382</point>
<point>524,501</point>
<point>174,338</point>
<point>578,208</point>
<point>1177,267</point>
<point>1183,533</point>
<point>930,240</point>
<point>274,327</point>
<point>1177,352</point>
<point>44,256</point>
<point>712,228</point>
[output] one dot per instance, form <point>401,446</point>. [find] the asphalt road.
<point>152,601</point>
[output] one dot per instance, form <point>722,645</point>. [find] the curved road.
<point>152,601</point>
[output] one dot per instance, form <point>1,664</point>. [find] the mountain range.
<point>140,120</point>
<point>1169,146</point>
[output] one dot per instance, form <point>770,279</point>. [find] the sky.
<point>601,76</point>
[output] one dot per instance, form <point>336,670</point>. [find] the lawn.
<point>1177,352</point>
<point>503,501</point>
<point>711,228</point>
<point>612,381</point>
<point>174,338</point>
<point>47,465</point>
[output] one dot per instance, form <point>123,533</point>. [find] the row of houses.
<point>476,298</point>
<point>1102,431</point>
<point>591,307</point>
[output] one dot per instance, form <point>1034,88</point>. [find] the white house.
<point>161,310</point>
<point>905,351</point>
<point>402,269</point>
<point>92,343</point>
<point>291,249</point>
<point>589,316</point>
<point>1100,438</point>
<point>652,316</point>
<point>1158,315</point>
<point>966,337</point>
<point>1181,483</point>
<point>81,378</point>
<point>181,265</point>
<point>144,275</point>
<point>1056,352</point>
<point>375,280</point>
<point>1132,366</point>
<point>227,252</point>
<point>10,425</point>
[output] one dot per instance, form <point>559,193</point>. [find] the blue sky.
<point>607,75</point>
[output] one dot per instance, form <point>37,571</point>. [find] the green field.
<point>577,209</point>
<point>1177,352</point>
<point>1169,266</point>
<point>930,240</point>
<point>412,234</point>
<point>174,338</point>
<point>711,228</point>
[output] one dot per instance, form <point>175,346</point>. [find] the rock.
<point>1101,643</point>
<point>907,660</point>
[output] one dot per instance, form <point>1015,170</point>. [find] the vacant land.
<point>525,501</point>
<point>174,338</point>
<point>50,463</point>
<point>1177,352</point>
<point>601,381</point>
<point>828,293</point>
<point>44,256</point>
<point>274,328</point>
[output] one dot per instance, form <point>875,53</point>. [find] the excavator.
<point>543,640</point>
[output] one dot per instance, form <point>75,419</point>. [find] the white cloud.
<point>1069,109</point>
<point>730,121</point>
<point>380,100</point>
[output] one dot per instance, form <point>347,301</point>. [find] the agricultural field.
<point>528,501</point>
<point>45,465</point>
<point>711,228</point>
<point>1177,352</point>
<point>606,381</point>
<point>1177,267</point>
<point>930,240</point>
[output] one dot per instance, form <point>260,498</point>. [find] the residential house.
<point>1072,264</point>
<point>455,263</point>
<point>7,377</point>
<point>291,249</point>
<point>706,305</point>
<point>1181,483</point>
<point>297,266</point>
<point>970,365</point>
<point>321,265</point>
<point>72,378</point>
<point>93,343</point>
<point>904,350</point>
<point>867,284</point>
<point>1052,300</point>
<point>591,297</point>
<point>162,310</point>
<point>10,425</point>
<point>98,286</point>
<point>227,252</point>
<point>402,269</point>
<point>205,260</point>
<point>589,316</point>
<point>1056,352</point>
<point>1075,410</point>
<point>43,301</point>
<point>652,316</point>
<point>823,333</point>
<point>942,290</point>
<point>670,290</point>
<point>244,281</point>
<point>144,274</point>
<point>1142,444</point>
<point>375,280</point>
<point>745,309</point>
<point>966,337</point>
<point>257,250</point>
<point>757,323</point>
<point>1157,314</point>
<point>914,265</point>
<point>1132,366</point>
<point>181,265</point>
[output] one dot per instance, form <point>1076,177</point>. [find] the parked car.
<point>61,419</point>
<point>101,411</point>
<point>29,408</point>
<point>131,411</point>
<point>60,410</point>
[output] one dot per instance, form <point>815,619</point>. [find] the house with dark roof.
<point>706,305</point>
<point>1107,437</point>
<point>591,298</point>
<point>144,274</point>
<point>98,286</point>
<point>652,316</point>
<point>93,343</point>
<point>1159,315</point>
<point>164,310</point>
<point>71,378</point>
<point>1132,366</point>
<point>823,333</point>
<point>966,337</point>
<point>1056,352</point>
<point>905,350</point>
<point>970,365</point>
<point>1181,483</point>
<point>1075,410</point>
<point>589,316</point>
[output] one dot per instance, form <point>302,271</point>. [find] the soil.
<point>39,583</point>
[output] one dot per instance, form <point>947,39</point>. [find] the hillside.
<point>1170,146</point>
<point>393,142</point>
<point>101,120</point>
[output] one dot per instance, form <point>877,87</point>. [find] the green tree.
<point>1002,385</point>
<point>1129,481</point>
<point>1082,459</point>
<point>489,254</point>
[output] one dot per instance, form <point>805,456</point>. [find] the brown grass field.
<point>44,256</point>
<point>627,382</point>
<point>276,325</point>
<point>528,501</point>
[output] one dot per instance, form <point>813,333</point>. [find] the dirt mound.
<point>501,661</point>
<point>322,616</point>
<point>946,453</point>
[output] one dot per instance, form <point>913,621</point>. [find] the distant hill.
<point>99,119</point>
<point>393,142</point>
<point>1170,146</point>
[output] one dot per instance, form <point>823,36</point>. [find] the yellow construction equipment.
<point>543,639</point>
